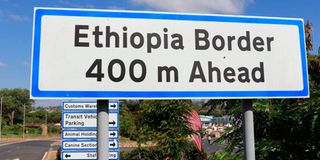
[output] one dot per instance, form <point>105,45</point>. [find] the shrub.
<point>14,129</point>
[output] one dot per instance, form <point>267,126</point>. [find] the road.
<point>29,150</point>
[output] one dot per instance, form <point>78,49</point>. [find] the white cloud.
<point>2,64</point>
<point>115,8</point>
<point>197,6</point>
<point>66,3</point>
<point>26,63</point>
<point>10,16</point>
<point>17,18</point>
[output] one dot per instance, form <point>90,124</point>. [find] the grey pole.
<point>46,117</point>
<point>46,123</point>
<point>248,130</point>
<point>1,119</point>
<point>24,120</point>
<point>103,129</point>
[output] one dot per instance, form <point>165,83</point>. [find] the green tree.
<point>13,102</point>
<point>164,122</point>
<point>55,116</point>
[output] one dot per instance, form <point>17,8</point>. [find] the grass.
<point>10,135</point>
<point>20,135</point>
<point>124,139</point>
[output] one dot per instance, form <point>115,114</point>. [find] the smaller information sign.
<point>86,120</point>
<point>85,134</point>
<point>87,145</point>
<point>86,155</point>
<point>113,106</point>
<point>79,134</point>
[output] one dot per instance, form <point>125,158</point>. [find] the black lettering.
<point>125,37</point>
<point>243,77</point>
<point>230,39</point>
<point>150,45</point>
<point>246,39</point>
<point>203,39</point>
<point>197,66</point>
<point>143,70</point>
<point>214,69</point>
<point>178,42</point>
<point>269,40</point>
<point>168,70</point>
<point>259,70</point>
<point>98,74</point>
<point>122,70</point>
<point>140,38</point>
<point>258,41</point>
<point>229,73</point>
<point>111,34</point>
<point>78,35</point>
<point>214,42</point>
<point>97,33</point>
<point>165,37</point>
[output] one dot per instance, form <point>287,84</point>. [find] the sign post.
<point>248,129</point>
<point>103,129</point>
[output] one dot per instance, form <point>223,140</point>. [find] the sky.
<point>16,21</point>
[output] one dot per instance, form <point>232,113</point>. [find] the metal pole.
<point>1,120</point>
<point>24,120</point>
<point>46,123</point>
<point>46,117</point>
<point>248,130</point>
<point>103,129</point>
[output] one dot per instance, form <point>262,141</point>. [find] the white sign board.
<point>66,134</point>
<point>87,145</point>
<point>79,105</point>
<point>86,155</point>
<point>86,120</point>
<point>84,134</point>
<point>121,54</point>
<point>87,106</point>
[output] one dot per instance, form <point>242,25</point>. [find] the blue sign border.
<point>37,93</point>
<point>63,127</point>
<point>67,151</point>
<point>111,130</point>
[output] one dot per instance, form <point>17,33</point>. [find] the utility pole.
<point>46,117</point>
<point>24,120</point>
<point>1,119</point>
<point>46,123</point>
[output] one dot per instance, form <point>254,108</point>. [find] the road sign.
<point>124,54</point>
<point>79,105</point>
<point>87,145</point>
<point>73,155</point>
<point>72,106</point>
<point>66,134</point>
<point>86,120</point>
<point>72,134</point>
